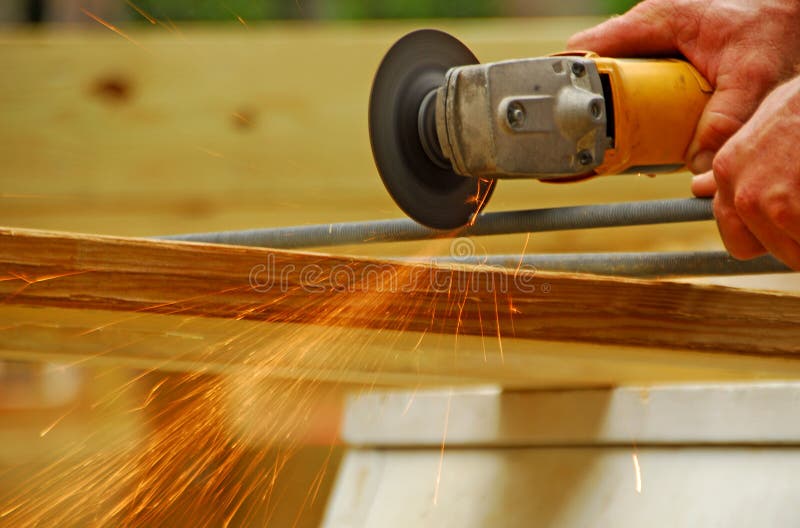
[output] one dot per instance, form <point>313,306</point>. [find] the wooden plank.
<point>256,349</point>
<point>685,414</point>
<point>144,276</point>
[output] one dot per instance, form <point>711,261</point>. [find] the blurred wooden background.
<point>196,129</point>
<point>12,11</point>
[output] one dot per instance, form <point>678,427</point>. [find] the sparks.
<point>112,27</point>
<point>441,454</point>
<point>141,12</point>
<point>50,427</point>
<point>170,26</point>
<point>212,153</point>
<point>152,394</point>
<point>241,119</point>
<point>9,511</point>
<point>522,253</point>
<point>480,200</point>
<point>480,325</point>
<point>43,278</point>
<point>188,456</point>
<point>28,281</point>
<point>638,471</point>
<point>410,401</point>
<point>497,322</point>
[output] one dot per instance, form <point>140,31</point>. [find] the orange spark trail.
<point>480,325</point>
<point>512,310</point>
<point>441,454</point>
<point>497,322</point>
<point>313,490</point>
<point>152,394</point>
<point>244,120</point>
<point>212,153</point>
<point>480,200</point>
<point>238,17</point>
<point>43,278</point>
<point>29,281</point>
<point>171,27</point>
<point>112,27</point>
<point>459,320</point>
<point>200,448</point>
<point>410,400</point>
<point>50,427</point>
<point>522,253</point>
<point>638,471</point>
<point>141,312</point>
<point>142,12</point>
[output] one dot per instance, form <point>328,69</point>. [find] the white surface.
<point>708,455</point>
<point>568,487</point>
<point>680,414</point>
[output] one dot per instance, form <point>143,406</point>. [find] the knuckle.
<point>716,128</point>
<point>780,210</point>
<point>746,202</point>
<point>760,74</point>
<point>722,168</point>
<point>721,211</point>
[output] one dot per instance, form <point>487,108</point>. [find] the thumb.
<point>644,30</point>
<point>724,114</point>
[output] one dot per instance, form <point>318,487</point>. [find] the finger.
<point>644,30</point>
<point>704,185</point>
<point>737,97</point>
<point>777,242</point>
<point>738,239</point>
<point>773,221</point>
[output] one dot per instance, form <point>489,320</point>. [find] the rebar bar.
<point>510,222</point>
<point>648,264</point>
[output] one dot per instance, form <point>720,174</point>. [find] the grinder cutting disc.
<point>421,183</point>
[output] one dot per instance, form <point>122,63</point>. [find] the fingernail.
<point>701,162</point>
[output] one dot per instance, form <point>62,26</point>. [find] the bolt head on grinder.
<point>402,129</point>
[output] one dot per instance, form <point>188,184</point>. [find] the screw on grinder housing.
<point>444,128</point>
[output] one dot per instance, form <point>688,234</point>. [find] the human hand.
<point>756,181</point>
<point>744,48</point>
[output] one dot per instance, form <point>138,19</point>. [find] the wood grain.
<point>136,275</point>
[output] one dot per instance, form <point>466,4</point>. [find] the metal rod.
<point>656,264</point>
<point>668,264</point>
<point>529,221</point>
